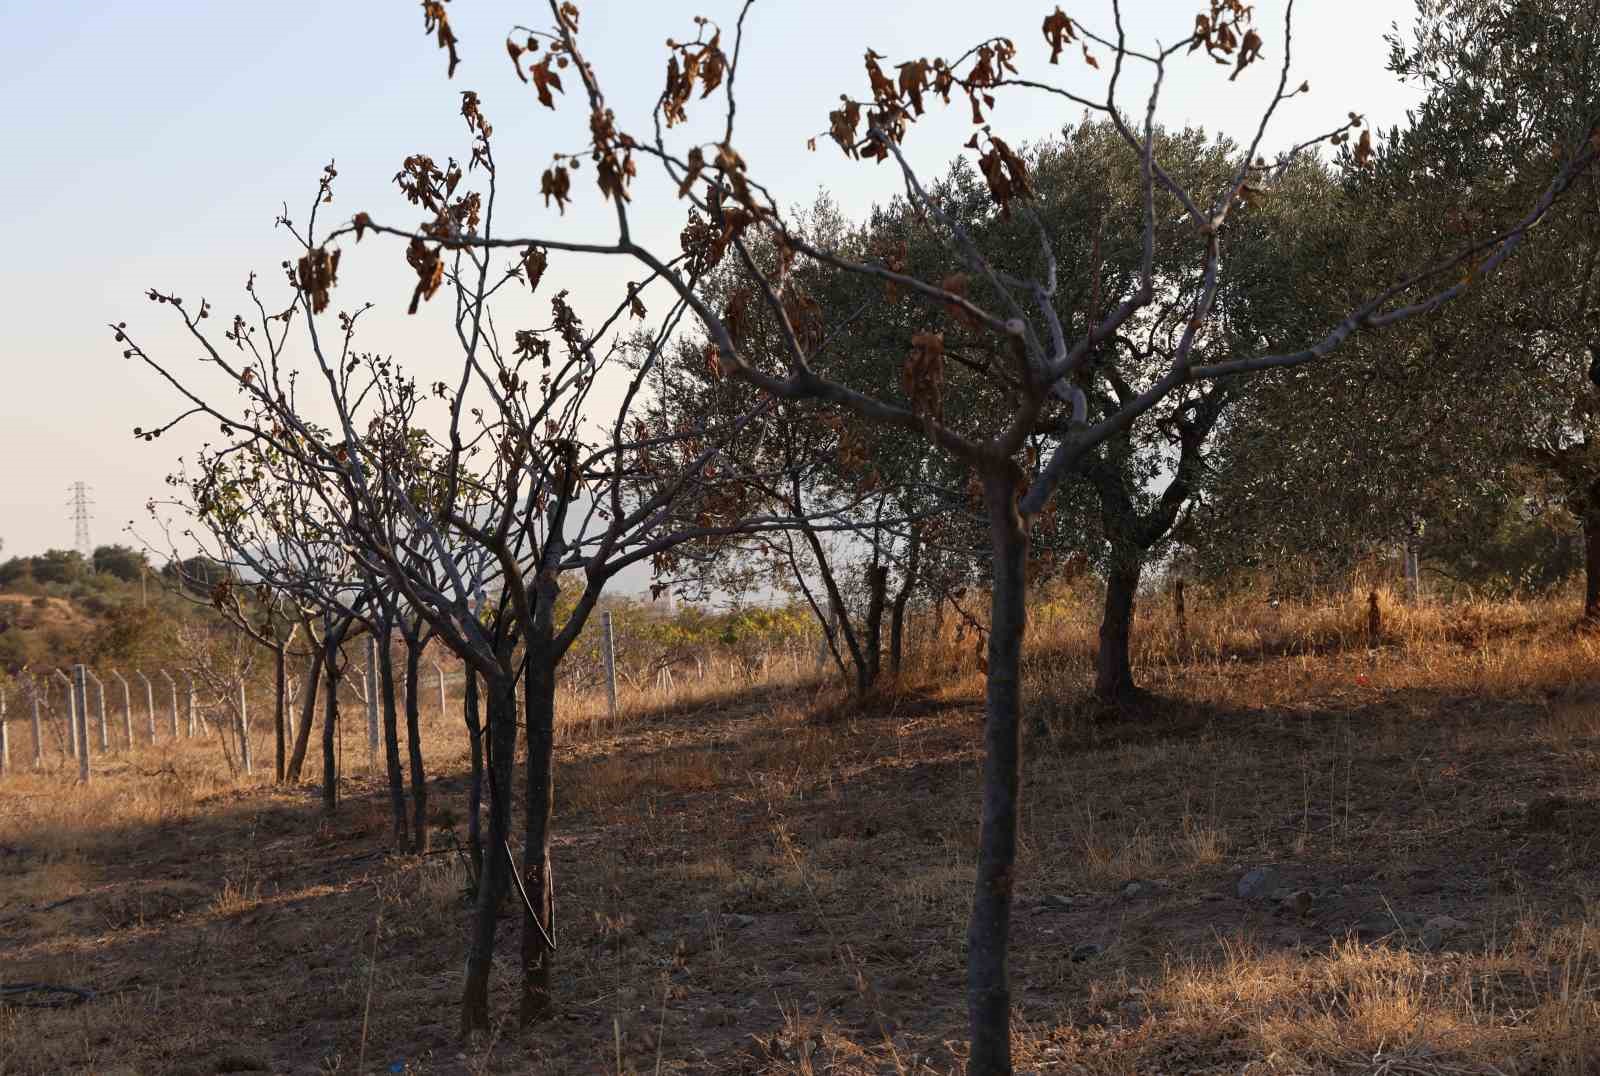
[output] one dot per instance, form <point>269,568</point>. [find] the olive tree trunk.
<point>1591,570</point>
<point>1113,671</point>
<point>871,660</point>
<point>902,597</point>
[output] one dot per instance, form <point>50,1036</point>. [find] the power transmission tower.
<point>81,515</point>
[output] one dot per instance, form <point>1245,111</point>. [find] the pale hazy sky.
<point>152,144</point>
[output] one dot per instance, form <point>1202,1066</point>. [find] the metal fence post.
<point>100,696</point>
<point>72,713</point>
<point>173,684</point>
<point>149,701</point>
<point>127,707</point>
<point>80,718</point>
<point>38,730</point>
<point>608,648</point>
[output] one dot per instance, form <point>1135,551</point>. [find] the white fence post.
<point>192,720</point>
<point>439,670</point>
<point>80,718</point>
<point>5,742</point>
<point>72,713</point>
<point>372,703</point>
<point>608,646</point>
<point>149,701</point>
<point>127,708</point>
<point>100,696</point>
<point>244,730</point>
<point>173,684</point>
<point>38,730</point>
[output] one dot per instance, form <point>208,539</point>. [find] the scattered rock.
<point>717,1016</point>
<point>1086,951</point>
<point>735,919</point>
<point>1258,883</point>
<point>1381,924</point>
<point>1436,930</point>
<point>1056,902</point>
<point>1297,903</point>
<point>1134,889</point>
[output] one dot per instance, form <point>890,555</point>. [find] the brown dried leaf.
<point>556,183</point>
<point>435,21</point>
<point>534,262</point>
<point>316,273</point>
<point>1058,30</point>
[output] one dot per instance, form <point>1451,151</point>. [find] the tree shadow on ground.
<point>784,893</point>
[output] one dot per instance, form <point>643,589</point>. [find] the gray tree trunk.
<point>495,879</point>
<point>308,710</point>
<point>988,931</point>
<point>538,815</point>
<point>1113,668</point>
<point>330,728</point>
<point>383,684</point>
<point>419,776</point>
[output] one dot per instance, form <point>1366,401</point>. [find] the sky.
<point>153,145</point>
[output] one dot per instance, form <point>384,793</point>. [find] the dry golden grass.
<point>770,879</point>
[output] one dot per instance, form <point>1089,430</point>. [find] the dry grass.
<point>764,878</point>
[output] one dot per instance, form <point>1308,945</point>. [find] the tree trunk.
<point>988,932</point>
<point>391,744</point>
<point>872,631</point>
<point>308,710</point>
<point>280,716</point>
<point>502,718</point>
<point>538,812</point>
<point>1591,570</point>
<point>330,729</point>
<point>475,789</point>
<point>419,776</point>
<point>1113,672</point>
<point>897,616</point>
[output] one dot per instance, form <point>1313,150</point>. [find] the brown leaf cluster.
<point>613,155</point>
<point>691,63</point>
<point>316,273</point>
<point>1058,32</point>
<point>437,22</point>
<point>556,183</point>
<point>922,376</point>
<point>534,262</point>
<point>530,345</point>
<point>805,318</point>
<point>543,72</point>
<point>1004,171</point>
<point>893,255</point>
<point>1226,34</point>
<point>425,262</point>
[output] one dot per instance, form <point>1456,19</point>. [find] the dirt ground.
<point>778,883</point>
